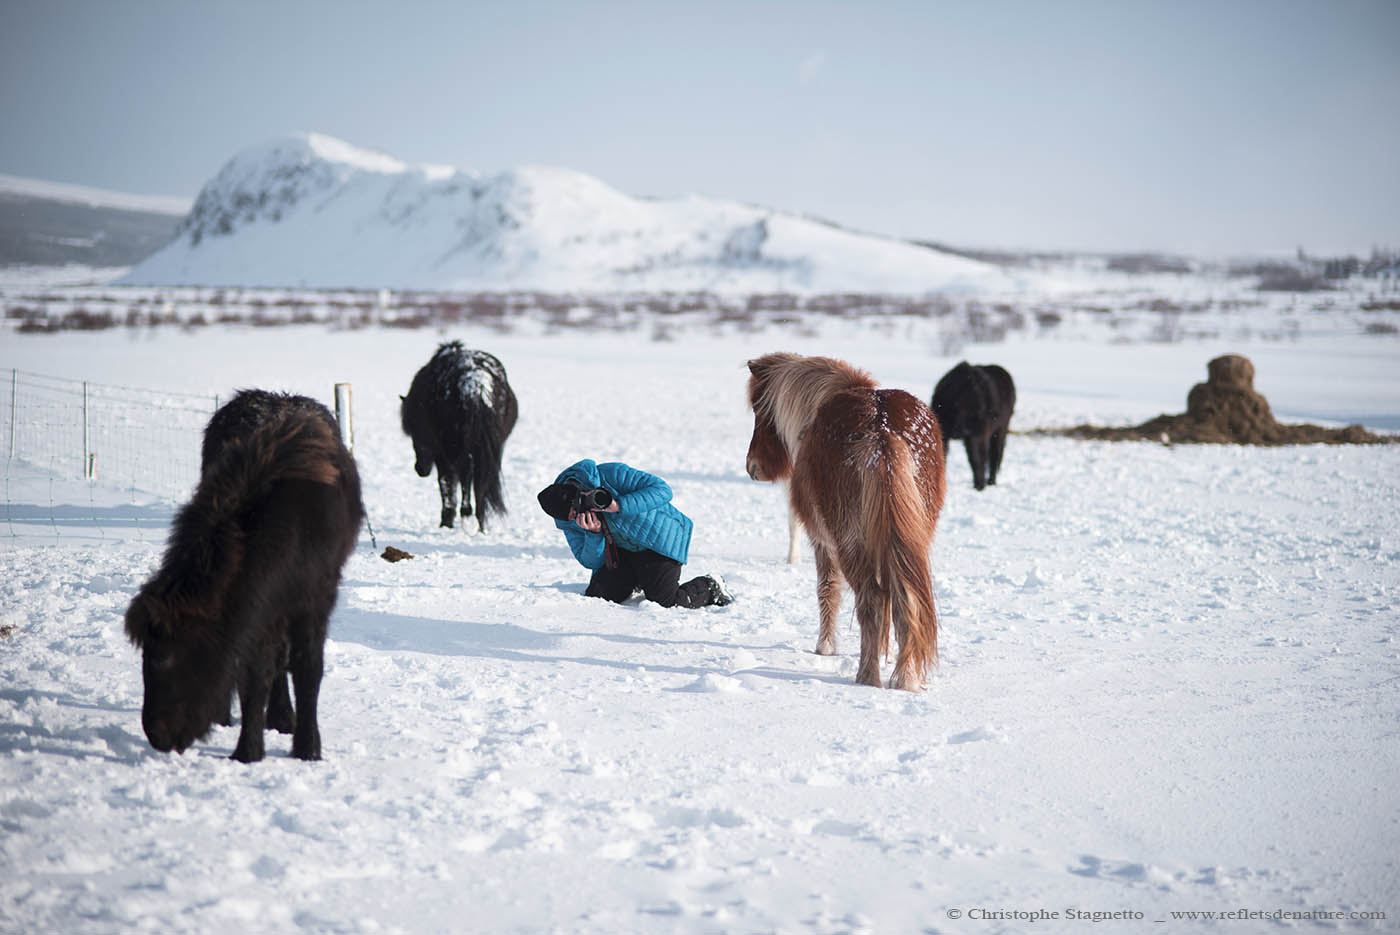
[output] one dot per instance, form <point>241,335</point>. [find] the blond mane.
<point>789,389</point>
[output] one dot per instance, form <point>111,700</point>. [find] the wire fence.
<point>66,440</point>
<point>117,437</point>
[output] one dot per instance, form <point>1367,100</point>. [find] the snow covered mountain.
<point>312,211</point>
<point>51,224</point>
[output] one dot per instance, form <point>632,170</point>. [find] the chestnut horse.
<point>865,473</point>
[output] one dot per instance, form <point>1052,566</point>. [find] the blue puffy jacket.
<point>645,518</point>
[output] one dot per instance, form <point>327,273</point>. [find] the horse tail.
<point>910,535</point>
<point>489,439</point>
<point>898,530</point>
<point>205,550</point>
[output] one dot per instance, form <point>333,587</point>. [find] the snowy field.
<point>1169,676</point>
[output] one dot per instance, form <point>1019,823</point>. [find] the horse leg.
<point>307,666</point>
<point>253,683</point>
<point>225,716</point>
<point>828,599</point>
<point>998,445</point>
<point>280,715</point>
<point>465,472</point>
<point>794,539</point>
<point>870,612</point>
<point>976,446</point>
<point>447,487</point>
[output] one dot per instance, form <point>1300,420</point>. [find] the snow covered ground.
<point>1169,676</point>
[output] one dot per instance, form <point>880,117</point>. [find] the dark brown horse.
<point>974,402</point>
<point>245,591</point>
<point>865,471</point>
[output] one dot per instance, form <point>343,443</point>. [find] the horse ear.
<point>139,620</point>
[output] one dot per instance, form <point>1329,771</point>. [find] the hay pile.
<point>1226,410</point>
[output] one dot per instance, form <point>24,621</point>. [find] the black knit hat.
<point>557,499</point>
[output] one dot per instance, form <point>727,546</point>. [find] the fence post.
<point>86,462</point>
<point>14,392</point>
<point>344,415</point>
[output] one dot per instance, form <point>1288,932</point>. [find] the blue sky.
<point>1212,128</point>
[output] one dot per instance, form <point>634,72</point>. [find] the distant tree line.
<point>1308,273</point>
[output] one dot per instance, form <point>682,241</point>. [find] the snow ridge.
<point>16,186</point>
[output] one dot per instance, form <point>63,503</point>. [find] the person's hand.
<point>612,507</point>
<point>590,523</point>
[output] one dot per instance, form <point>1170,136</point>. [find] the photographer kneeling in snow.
<point>620,523</point>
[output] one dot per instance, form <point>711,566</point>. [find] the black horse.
<point>249,578</point>
<point>249,409</point>
<point>237,419</point>
<point>974,403</point>
<point>459,412</point>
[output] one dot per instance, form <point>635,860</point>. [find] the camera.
<point>591,501</point>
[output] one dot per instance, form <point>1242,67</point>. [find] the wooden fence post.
<point>344,415</point>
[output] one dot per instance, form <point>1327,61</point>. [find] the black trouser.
<point>657,576</point>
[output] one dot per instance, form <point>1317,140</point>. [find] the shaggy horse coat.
<point>459,411</point>
<point>865,475</point>
<point>236,419</point>
<point>247,585</point>
<point>249,409</point>
<point>974,403</point>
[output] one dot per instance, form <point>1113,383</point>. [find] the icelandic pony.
<point>459,411</point>
<point>974,402</point>
<point>245,591</point>
<point>236,419</point>
<point>864,468</point>
<point>249,409</point>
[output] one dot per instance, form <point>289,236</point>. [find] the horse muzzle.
<point>164,736</point>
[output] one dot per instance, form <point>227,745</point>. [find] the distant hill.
<point>312,211</point>
<point>51,224</point>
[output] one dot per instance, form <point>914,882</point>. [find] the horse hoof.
<point>826,648</point>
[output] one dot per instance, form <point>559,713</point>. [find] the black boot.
<point>704,591</point>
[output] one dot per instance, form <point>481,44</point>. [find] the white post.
<point>344,415</point>
<point>87,459</point>
<point>14,392</point>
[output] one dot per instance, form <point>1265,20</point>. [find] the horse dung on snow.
<point>974,402</point>
<point>865,473</point>
<point>249,578</point>
<point>459,411</point>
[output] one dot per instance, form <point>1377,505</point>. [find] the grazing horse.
<point>459,411</point>
<point>249,578</point>
<point>974,403</point>
<point>864,468</point>
<point>236,419</point>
